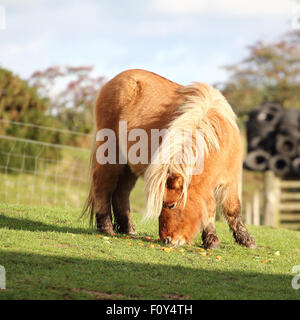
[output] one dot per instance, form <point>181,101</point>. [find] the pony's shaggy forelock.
<point>201,109</point>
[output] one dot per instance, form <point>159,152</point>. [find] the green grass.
<point>49,254</point>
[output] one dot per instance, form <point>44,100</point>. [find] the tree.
<point>270,73</point>
<point>21,103</point>
<point>72,91</point>
<point>18,99</point>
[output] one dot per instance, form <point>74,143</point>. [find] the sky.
<point>183,40</point>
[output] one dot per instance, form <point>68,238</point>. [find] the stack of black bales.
<point>273,135</point>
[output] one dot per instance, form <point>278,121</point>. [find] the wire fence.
<point>47,174</point>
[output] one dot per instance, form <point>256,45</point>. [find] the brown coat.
<point>184,203</point>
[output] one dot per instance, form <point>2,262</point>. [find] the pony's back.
<point>143,99</point>
<point>137,96</point>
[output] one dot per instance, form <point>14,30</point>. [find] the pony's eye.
<point>172,206</point>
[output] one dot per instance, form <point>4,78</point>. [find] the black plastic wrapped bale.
<point>298,150</point>
<point>256,133</point>
<point>290,125</point>
<point>296,166</point>
<point>273,136</point>
<point>280,165</point>
<point>270,114</point>
<point>272,107</point>
<point>286,145</point>
<point>255,143</point>
<point>257,160</point>
<point>260,122</point>
<point>266,143</point>
<point>261,125</point>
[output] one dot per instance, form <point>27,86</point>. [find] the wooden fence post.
<point>255,209</point>
<point>276,221</point>
<point>248,214</point>
<point>271,199</point>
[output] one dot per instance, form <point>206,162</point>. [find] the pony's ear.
<point>174,182</point>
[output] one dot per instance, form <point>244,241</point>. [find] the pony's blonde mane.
<point>200,100</point>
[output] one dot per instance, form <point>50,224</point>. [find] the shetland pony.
<point>183,202</point>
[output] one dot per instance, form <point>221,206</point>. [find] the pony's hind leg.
<point>232,211</point>
<point>120,202</point>
<point>209,234</point>
<point>105,179</point>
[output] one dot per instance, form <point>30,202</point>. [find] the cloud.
<point>11,51</point>
<point>14,50</point>
<point>226,8</point>
<point>184,40</point>
<point>254,7</point>
<point>175,6</point>
<point>18,3</point>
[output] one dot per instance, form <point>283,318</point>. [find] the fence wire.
<point>47,174</point>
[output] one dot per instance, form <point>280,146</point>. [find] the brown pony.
<point>184,202</point>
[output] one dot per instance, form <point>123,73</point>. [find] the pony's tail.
<point>89,205</point>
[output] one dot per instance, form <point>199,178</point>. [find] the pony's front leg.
<point>209,234</point>
<point>240,233</point>
<point>232,212</point>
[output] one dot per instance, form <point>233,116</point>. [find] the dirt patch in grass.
<point>97,295</point>
<point>174,296</point>
<point>64,245</point>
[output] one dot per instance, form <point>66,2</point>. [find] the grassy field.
<point>49,254</point>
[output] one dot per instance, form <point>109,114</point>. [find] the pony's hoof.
<point>213,245</point>
<point>175,243</point>
<point>167,240</point>
<point>245,240</point>
<point>210,241</point>
<point>125,229</point>
<point>252,246</point>
<point>132,231</point>
<point>108,231</point>
<point>104,225</point>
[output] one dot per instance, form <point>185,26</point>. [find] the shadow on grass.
<point>34,276</point>
<point>31,225</point>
